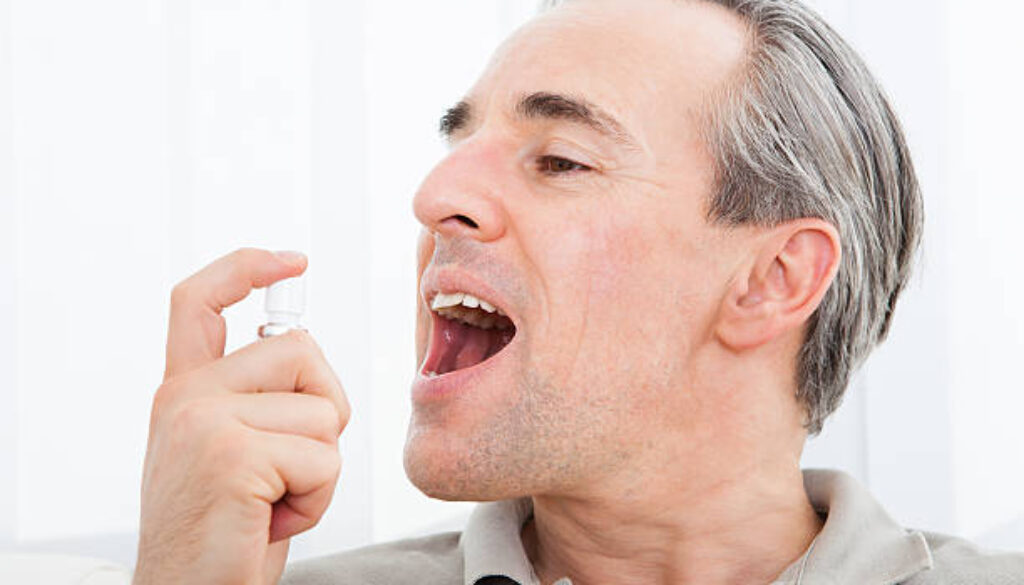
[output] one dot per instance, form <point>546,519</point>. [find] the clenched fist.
<point>243,449</point>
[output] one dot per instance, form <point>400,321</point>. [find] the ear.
<point>792,269</point>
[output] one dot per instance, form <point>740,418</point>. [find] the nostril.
<point>465,220</point>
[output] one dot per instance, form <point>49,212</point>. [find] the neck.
<point>746,529</point>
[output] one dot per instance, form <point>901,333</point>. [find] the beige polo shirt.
<point>859,545</point>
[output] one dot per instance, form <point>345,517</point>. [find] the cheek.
<point>618,307</point>
<point>641,312</point>
<point>563,262</point>
<point>592,294</point>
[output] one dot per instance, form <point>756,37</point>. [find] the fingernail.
<point>291,257</point>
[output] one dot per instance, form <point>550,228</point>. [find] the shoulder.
<point>433,559</point>
<point>959,562</point>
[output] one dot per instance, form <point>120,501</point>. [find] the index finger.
<point>292,362</point>
<point>196,333</point>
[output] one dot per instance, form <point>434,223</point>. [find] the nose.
<point>460,196</point>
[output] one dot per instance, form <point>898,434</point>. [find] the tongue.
<point>467,346</point>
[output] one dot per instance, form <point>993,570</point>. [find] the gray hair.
<point>806,131</point>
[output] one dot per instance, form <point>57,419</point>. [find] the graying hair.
<point>804,130</point>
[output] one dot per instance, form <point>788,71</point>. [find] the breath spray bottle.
<point>284,303</point>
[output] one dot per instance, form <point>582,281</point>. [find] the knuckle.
<point>330,419</point>
<point>302,348</point>
<point>335,464</point>
<point>234,269</point>
<point>243,257</point>
<point>228,450</point>
<point>165,398</point>
<point>196,429</point>
<point>194,418</point>
<point>237,265</point>
<point>182,293</point>
<point>162,397</point>
<point>344,411</point>
<point>246,253</point>
<point>328,461</point>
<point>301,339</point>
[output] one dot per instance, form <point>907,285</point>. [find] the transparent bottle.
<point>285,302</point>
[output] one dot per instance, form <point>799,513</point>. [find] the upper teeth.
<point>443,301</point>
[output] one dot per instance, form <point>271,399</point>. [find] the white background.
<point>140,139</point>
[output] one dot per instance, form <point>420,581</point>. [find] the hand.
<point>243,449</point>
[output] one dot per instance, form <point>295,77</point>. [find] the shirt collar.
<point>860,543</point>
<point>492,543</point>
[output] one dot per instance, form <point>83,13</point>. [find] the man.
<point>666,233</point>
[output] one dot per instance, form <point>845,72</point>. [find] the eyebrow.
<point>546,106</point>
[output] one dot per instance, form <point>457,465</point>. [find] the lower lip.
<point>434,389</point>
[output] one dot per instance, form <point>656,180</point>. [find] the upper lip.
<point>451,279</point>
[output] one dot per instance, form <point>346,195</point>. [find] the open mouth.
<point>467,331</point>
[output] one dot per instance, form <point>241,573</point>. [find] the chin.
<point>437,478</point>
<point>443,469</point>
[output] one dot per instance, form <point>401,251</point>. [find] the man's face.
<point>573,199</point>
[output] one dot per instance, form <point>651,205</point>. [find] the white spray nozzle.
<point>286,296</point>
<point>285,302</point>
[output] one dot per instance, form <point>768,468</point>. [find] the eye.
<point>556,165</point>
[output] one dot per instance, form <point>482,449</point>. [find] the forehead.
<point>648,62</point>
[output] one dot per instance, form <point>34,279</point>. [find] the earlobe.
<point>794,267</point>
